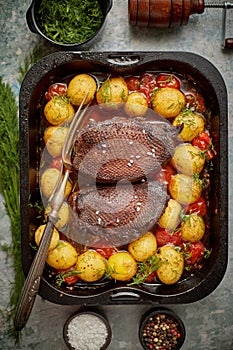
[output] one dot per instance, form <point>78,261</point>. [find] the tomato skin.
<point>164,237</point>
<point>165,174</point>
<point>56,163</point>
<point>71,279</point>
<point>132,83</point>
<point>196,101</point>
<point>56,89</point>
<point>106,252</point>
<point>147,86</point>
<point>167,80</point>
<point>202,141</point>
<point>151,277</point>
<point>199,207</point>
<point>193,252</point>
<point>148,79</point>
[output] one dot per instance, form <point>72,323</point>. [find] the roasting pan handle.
<point>124,59</point>
<point>125,296</point>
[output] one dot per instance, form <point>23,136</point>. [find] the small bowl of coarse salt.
<point>87,330</point>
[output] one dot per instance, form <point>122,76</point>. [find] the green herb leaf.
<point>9,180</point>
<point>69,21</point>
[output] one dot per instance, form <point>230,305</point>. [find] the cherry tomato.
<point>202,141</point>
<point>193,252</point>
<point>167,80</point>
<point>147,85</point>
<point>106,252</point>
<point>210,154</point>
<point>165,174</point>
<point>164,237</point>
<point>196,101</point>
<point>132,83</point>
<point>56,163</point>
<point>199,207</point>
<point>151,277</point>
<point>71,279</point>
<point>148,79</point>
<point>57,89</point>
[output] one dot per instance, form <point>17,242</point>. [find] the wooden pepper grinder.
<point>173,13</point>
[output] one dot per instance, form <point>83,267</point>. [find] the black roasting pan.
<point>57,67</point>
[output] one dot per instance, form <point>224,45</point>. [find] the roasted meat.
<point>120,148</point>
<point>116,214</point>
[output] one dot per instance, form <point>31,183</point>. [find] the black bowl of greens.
<point>68,24</point>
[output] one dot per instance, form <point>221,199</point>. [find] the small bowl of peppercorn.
<point>161,329</point>
<point>69,24</point>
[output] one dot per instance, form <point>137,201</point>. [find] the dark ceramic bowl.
<point>161,328</point>
<point>32,21</point>
<point>85,327</point>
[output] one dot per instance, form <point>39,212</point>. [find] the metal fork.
<point>32,282</point>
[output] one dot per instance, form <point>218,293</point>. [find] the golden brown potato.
<point>55,237</point>
<point>171,216</point>
<point>58,110</point>
<point>143,247</point>
<point>63,256</point>
<point>79,86</point>
<point>122,266</point>
<point>112,92</point>
<point>48,182</point>
<point>168,102</point>
<point>136,104</point>
<point>193,228</point>
<point>54,138</point>
<point>188,159</point>
<point>63,215</point>
<point>193,124</point>
<point>91,265</point>
<point>171,265</point>
<point>185,189</point>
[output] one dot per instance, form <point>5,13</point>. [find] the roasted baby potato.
<point>58,110</point>
<point>136,105</point>
<point>171,216</point>
<point>63,215</point>
<point>91,265</point>
<point>112,92</point>
<point>143,247</point>
<point>188,159</point>
<point>168,102</point>
<point>122,266</point>
<point>193,124</point>
<point>185,189</point>
<point>171,264</point>
<point>79,86</point>
<point>193,228</point>
<point>48,182</point>
<point>55,237</point>
<point>63,256</point>
<point>54,138</point>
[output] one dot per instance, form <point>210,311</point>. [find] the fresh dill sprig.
<point>9,181</point>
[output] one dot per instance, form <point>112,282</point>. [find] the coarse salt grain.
<point>87,332</point>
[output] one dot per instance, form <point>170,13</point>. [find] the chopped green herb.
<point>69,21</point>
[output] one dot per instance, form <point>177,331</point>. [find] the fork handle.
<point>32,282</point>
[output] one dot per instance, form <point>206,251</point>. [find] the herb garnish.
<point>145,269</point>
<point>69,21</point>
<point>9,180</point>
